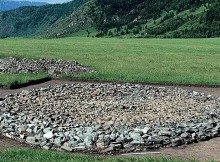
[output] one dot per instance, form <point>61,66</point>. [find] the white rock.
<point>48,135</point>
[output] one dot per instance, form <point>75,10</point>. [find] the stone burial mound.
<point>52,67</point>
<point>109,118</point>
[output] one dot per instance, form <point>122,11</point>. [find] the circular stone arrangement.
<point>109,118</point>
<point>52,67</point>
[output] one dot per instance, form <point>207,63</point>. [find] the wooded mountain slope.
<point>109,18</point>
<point>34,20</point>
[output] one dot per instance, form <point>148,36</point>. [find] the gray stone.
<point>58,141</point>
<point>71,143</point>
<point>100,145</point>
<point>137,142</point>
<point>46,147</point>
<point>67,148</point>
<point>176,142</point>
<point>1,103</point>
<point>79,148</point>
<point>47,130</point>
<point>109,149</point>
<point>164,133</point>
<point>127,146</point>
<point>43,143</point>
<point>22,136</point>
<point>146,130</point>
<point>31,140</point>
<point>113,137</point>
<point>88,141</point>
<point>184,135</point>
<point>155,140</point>
<point>89,130</point>
<point>136,137</point>
<point>48,135</point>
<point>29,130</point>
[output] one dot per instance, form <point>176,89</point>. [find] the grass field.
<point>34,155</point>
<point>180,61</point>
<point>8,80</point>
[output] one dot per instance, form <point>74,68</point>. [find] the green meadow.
<point>9,80</point>
<point>173,61</point>
<point>34,155</point>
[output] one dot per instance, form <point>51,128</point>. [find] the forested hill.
<point>110,18</point>
<point>9,5</point>
<point>34,20</point>
<point>174,18</point>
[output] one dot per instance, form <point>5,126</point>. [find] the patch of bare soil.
<point>203,151</point>
<point>215,91</point>
<point>6,143</point>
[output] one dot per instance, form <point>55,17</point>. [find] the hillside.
<point>110,18</point>
<point>143,18</point>
<point>34,20</point>
<point>9,5</point>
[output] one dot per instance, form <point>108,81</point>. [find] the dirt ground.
<point>6,143</point>
<point>203,151</point>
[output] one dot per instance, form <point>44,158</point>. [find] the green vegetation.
<point>30,155</point>
<point>34,20</point>
<point>179,61</point>
<point>116,18</point>
<point>136,17</point>
<point>13,80</point>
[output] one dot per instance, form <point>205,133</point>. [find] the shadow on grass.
<point>14,81</point>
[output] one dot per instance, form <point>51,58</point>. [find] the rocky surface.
<point>109,118</point>
<point>52,67</point>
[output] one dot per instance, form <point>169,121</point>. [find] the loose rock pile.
<point>52,67</point>
<point>109,118</point>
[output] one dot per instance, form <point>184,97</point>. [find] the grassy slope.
<point>191,61</point>
<point>30,155</point>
